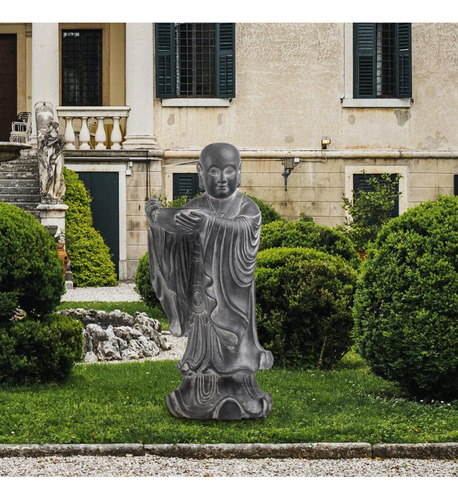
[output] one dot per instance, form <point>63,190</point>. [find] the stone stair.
<point>20,184</point>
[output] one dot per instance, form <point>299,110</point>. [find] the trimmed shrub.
<point>268,212</point>
<point>89,255</point>
<point>304,300</point>
<point>34,351</point>
<point>406,305</point>
<point>31,275</point>
<point>143,284</point>
<point>307,234</point>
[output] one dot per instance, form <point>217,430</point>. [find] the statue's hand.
<point>191,221</point>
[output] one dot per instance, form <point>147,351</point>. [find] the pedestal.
<point>52,217</point>
<point>220,397</point>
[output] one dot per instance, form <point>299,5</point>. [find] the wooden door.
<point>8,84</point>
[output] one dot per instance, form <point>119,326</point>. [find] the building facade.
<point>310,107</point>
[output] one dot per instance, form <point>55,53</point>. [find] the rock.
<point>116,336</point>
<point>90,357</point>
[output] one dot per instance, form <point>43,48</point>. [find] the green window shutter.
<point>403,48</point>
<point>186,185</point>
<point>364,60</point>
<point>455,180</point>
<point>165,60</point>
<point>361,183</point>
<point>225,60</point>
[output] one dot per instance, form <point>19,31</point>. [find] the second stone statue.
<point>202,259</point>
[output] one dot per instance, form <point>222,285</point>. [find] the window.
<point>195,60</point>
<point>186,185</point>
<point>455,185</point>
<point>361,183</point>
<point>382,62</point>
<point>81,67</point>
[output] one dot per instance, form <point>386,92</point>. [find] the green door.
<point>104,190</point>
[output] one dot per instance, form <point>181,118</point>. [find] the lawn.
<point>125,403</point>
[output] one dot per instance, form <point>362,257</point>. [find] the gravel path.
<point>124,292</point>
<point>149,466</point>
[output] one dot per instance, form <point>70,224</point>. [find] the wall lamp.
<point>325,141</point>
<point>289,164</point>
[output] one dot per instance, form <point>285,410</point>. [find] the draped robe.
<point>205,283</point>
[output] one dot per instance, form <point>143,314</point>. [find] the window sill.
<point>196,103</point>
<point>377,103</point>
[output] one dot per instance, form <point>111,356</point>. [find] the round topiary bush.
<point>33,351</point>
<point>406,305</point>
<point>89,256</point>
<point>304,300</point>
<point>31,274</point>
<point>307,234</point>
<point>143,284</point>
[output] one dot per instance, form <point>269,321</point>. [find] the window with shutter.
<point>382,66</point>
<point>186,185</point>
<point>361,183</point>
<point>195,60</point>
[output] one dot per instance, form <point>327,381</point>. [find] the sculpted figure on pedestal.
<point>202,261</point>
<point>50,159</point>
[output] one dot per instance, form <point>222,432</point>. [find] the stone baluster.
<point>69,136</point>
<point>116,136</point>
<point>85,136</point>
<point>100,136</point>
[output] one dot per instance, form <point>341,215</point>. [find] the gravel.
<point>148,466</point>
<point>124,292</point>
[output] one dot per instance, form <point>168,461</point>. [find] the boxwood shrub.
<point>33,351</point>
<point>143,284</point>
<point>309,235</point>
<point>31,275</point>
<point>89,255</point>
<point>304,300</point>
<point>406,306</point>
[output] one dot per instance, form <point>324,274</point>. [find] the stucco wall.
<point>290,81</point>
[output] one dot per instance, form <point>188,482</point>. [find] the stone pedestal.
<point>220,397</point>
<point>52,217</point>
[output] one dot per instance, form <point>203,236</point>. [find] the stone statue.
<point>202,259</point>
<point>50,160</point>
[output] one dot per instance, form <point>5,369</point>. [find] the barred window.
<point>195,59</point>
<point>81,67</point>
<point>382,60</point>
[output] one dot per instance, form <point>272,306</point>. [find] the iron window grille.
<point>81,67</point>
<point>195,59</point>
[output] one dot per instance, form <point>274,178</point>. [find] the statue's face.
<point>221,172</point>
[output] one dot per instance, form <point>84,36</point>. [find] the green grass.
<point>125,403</point>
<point>127,307</point>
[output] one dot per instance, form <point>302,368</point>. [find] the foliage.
<point>33,351</point>
<point>143,284</point>
<point>369,211</point>
<point>125,403</point>
<point>89,255</point>
<point>309,235</point>
<point>268,212</point>
<point>406,307</point>
<point>31,273</point>
<point>304,301</point>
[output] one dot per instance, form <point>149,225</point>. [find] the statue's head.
<point>219,169</point>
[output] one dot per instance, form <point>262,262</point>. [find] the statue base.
<point>219,397</point>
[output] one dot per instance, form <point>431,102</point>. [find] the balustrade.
<point>92,127</point>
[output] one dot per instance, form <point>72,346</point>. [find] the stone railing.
<point>92,127</point>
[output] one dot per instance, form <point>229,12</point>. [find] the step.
<point>19,175</point>
<point>19,183</point>
<point>20,198</point>
<point>22,190</point>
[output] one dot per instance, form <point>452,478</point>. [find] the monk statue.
<point>202,258</point>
